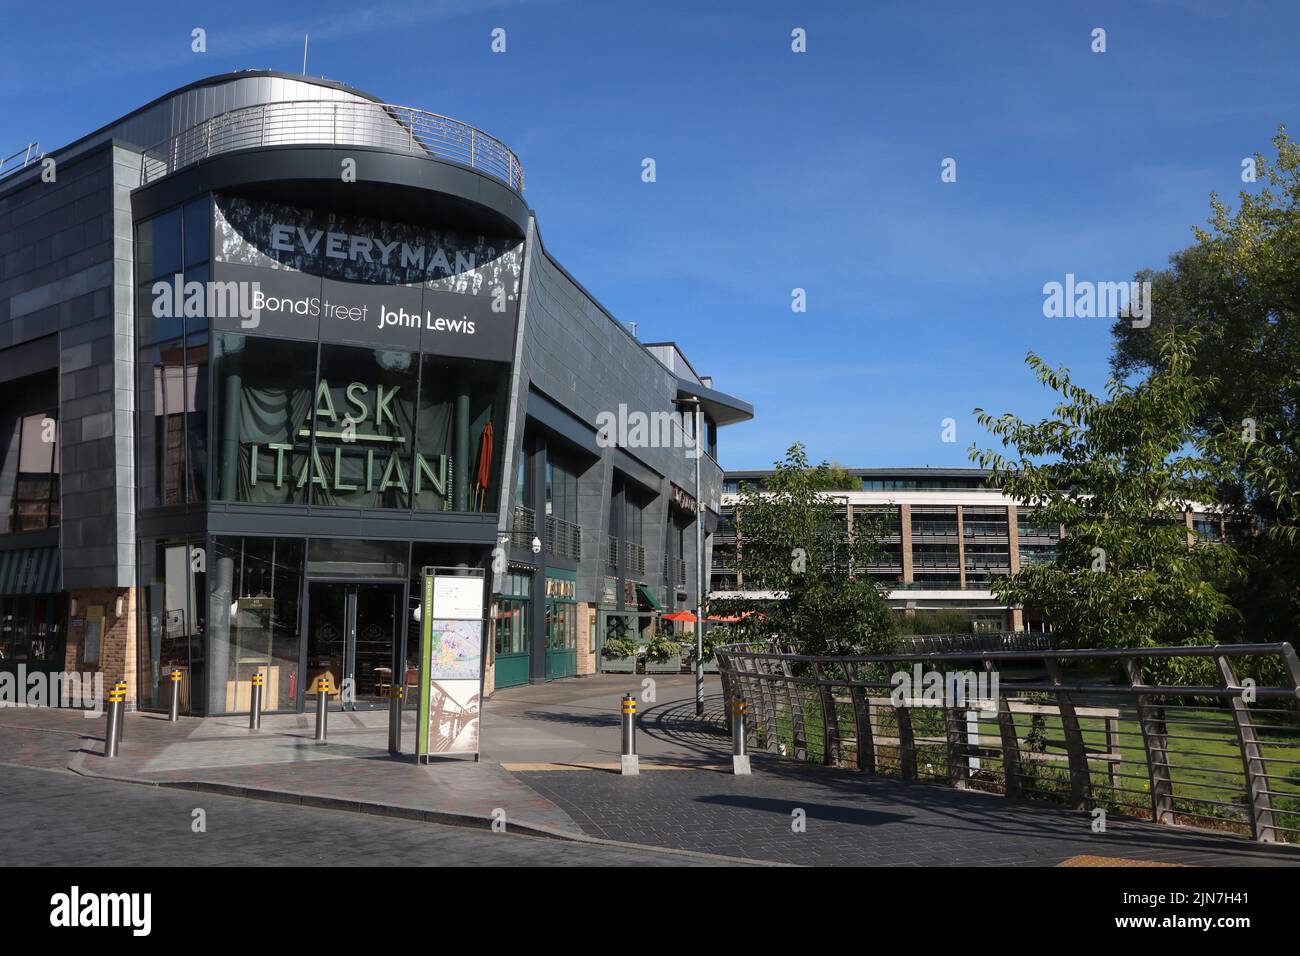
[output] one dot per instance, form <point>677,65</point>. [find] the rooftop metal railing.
<point>343,123</point>
<point>31,153</point>
<point>1205,736</point>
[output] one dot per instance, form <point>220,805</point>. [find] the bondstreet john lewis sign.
<point>361,281</point>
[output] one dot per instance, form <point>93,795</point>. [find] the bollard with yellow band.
<point>255,701</point>
<point>629,763</point>
<point>739,758</point>
<point>113,724</point>
<point>120,689</point>
<point>174,711</point>
<point>324,686</point>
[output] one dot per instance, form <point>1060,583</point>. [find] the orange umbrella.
<point>680,616</point>
<point>732,619</point>
<point>483,476</point>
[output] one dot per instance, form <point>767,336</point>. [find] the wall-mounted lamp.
<point>415,615</point>
<point>72,608</point>
<point>119,606</point>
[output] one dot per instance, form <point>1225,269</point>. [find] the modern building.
<point>268,347</point>
<point>947,534</point>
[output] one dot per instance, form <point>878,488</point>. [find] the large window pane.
<point>263,398</point>
<point>459,435</point>
<point>10,433</point>
<point>196,417</point>
<point>172,631</point>
<point>158,246</point>
<point>29,477</point>
<point>364,422</point>
<point>198,232</point>
<point>255,597</point>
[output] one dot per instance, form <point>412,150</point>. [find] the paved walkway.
<point>546,769</point>
<point>60,819</point>
<point>282,761</point>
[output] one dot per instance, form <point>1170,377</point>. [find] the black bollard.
<point>174,714</point>
<point>113,725</point>
<point>322,702</point>
<point>629,763</point>
<point>255,703</point>
<point>120,689</point>
<point>739,759</point>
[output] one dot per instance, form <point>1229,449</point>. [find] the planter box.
<point>672,665</point>
<point>618,665</point>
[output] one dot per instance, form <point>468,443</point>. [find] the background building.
<point>225,484</point>
<point>948,534</point>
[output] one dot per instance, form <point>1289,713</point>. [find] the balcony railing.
<point>679,571</point>
<point>344,123</point>
<point>635,561</point>
<point>563,538</point>
<point>523,525</point>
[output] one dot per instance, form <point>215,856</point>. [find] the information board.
<point>451,661</point>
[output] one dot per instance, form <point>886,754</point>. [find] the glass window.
<point>462,403</point>
<point>177,242</point>
<point>364,425</point>
<point>164,437</point>
<point>158,246</point>
<point>255,596</point>
<point>196,417</point>
<point>198,232</point>
<point>171,631</point>
<point>29,472</point>
<point>561,484</point>
<point>263,397</point>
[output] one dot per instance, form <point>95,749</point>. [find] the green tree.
<point>1238,288</point>
<point>794,544</point>
<point>1117,472</point>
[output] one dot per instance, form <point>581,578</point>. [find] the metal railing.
<point>344,123</point>
<point>563,538</point>
<point>31,153</point>
<point>611,552</point>
<point>678,567</point>
<point>523,525</point>
<point>1001,641</point>
<point>1206,736</point>
<point>635,562</point>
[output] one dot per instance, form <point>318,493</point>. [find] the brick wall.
<point>118,647</point>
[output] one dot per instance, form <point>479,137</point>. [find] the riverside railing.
<point>343,123</point>
<point>1204,736</point>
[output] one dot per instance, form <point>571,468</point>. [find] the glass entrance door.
<point>351,637</point>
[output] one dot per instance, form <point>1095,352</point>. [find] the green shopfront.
<point>326,423</point>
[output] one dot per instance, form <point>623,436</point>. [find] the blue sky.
<point>778,170</point>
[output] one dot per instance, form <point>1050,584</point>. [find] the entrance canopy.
<point>647,598</point>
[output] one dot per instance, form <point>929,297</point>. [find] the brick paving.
<point>282,762</point>
<point>692,804</point>
<point>863,821</point>
<point>59,819</point>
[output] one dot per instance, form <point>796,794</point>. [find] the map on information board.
<point>455,649</point>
